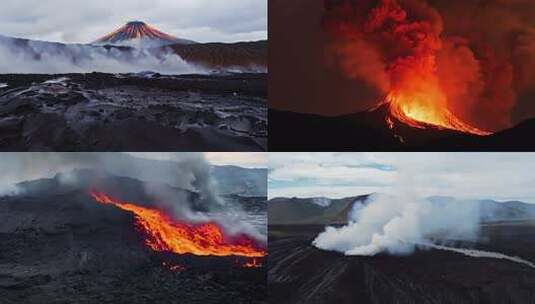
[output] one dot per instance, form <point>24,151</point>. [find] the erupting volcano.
<point>402,75</point>
<point>420,112</point>
<point>140,34</point>
<point>162,233</point>
<point>409,75</point>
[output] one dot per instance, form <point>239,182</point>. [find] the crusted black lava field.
<point>300,273</point>
<point>133,112</point>
<point>57,245</point>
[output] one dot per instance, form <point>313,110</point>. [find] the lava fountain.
<point>162,233</point>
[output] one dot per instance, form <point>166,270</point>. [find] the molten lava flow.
<point>165,234</point>
<point>418,111</point>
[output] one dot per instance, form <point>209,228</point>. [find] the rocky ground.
<point>133,112</point>
<point>57,245</point>
<point>301,273</point>
<point>370,130</point>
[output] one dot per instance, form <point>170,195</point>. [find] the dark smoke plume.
<point>483,52</point>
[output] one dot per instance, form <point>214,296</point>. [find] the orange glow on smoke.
<point>166,234</point>
<point>417,99</point>
<point>415,96</point>
<point>394,47</point>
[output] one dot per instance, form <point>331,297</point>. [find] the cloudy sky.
<point>76,21</point>
<point>499,176</point>
<point>242,159</point>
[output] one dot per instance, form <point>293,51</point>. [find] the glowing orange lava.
<point>165,234</point>
<point>419,110</point>
<point>395,47</point>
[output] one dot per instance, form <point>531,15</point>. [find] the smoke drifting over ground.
<point>404,218</point>
<point>188,174</point>
<point>397,221</point>
<point>397,224</point>
<point>479,55</point>
<point>26,56</point>
<point>190,171</point>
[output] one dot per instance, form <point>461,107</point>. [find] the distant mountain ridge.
<point>294,211</point>
<point>230,180</point>
<point>304,211</point>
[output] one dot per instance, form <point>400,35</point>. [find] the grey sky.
<point>499,176</point>
<point>16,167</point>
<point>241,159</point>
<point>77,21</point>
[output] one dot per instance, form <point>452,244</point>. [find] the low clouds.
<point>241,159</point>
<point>85,21</point>
<point>500,176</point>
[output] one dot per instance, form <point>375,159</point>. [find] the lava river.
<point>162,233</point>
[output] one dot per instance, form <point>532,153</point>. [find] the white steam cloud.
<point>396,221</point>
<point>403,220</point>
<point>22,56</point>
<point>396,224</point>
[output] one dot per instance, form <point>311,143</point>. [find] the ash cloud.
<point>26,56</point>
<point>485,54</point>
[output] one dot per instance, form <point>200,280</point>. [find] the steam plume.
<point>399,220</point>
<point>395,224</point>
<point>402,220</point>
<point>52,58</point>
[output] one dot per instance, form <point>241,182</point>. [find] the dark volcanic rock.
<point>141,112</point>
<point>301,273</point>
<point>57,245</point>
<point>365,131</point>
<point>247,56</point>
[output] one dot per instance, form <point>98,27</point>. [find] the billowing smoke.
<point>26,56</point>
<point>188,171</point>
<point>18,167</point>
<point>473,58</point>
<point>400,220</point>
<point>398,224</point>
